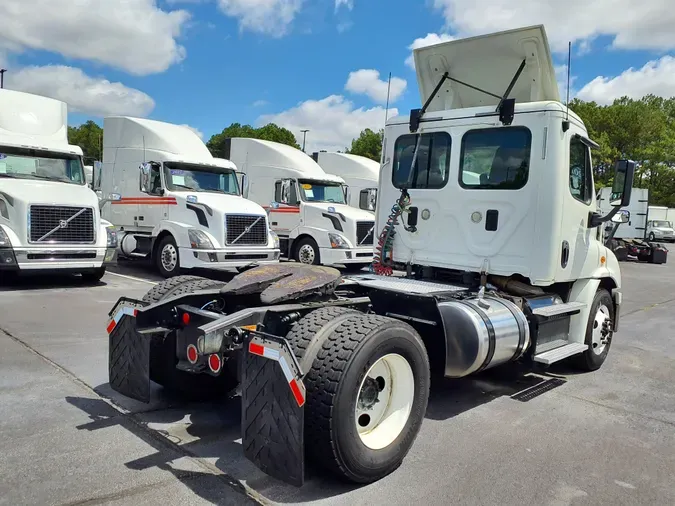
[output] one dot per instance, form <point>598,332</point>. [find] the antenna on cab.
<point>566,123</point>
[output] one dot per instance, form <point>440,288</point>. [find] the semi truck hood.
<point>223,203</point>
<point>30,191</point>
<point>349,212</point>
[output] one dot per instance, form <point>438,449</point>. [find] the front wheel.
<point>598,332</point>
<point>652,237</point>
<point>367,392</point>
<point>307,252</point>
<point>167,257</point>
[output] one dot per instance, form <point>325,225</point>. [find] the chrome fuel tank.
<point>482,333</point>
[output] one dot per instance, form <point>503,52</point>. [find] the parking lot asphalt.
<point>601,438</point>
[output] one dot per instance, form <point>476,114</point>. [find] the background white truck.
<point>494,220</point>
<point>310,214</point>
<point>360,173</point>
<point>660,224</point>
<point>638,237</point>
<point>49,217</point>
<point>172,201</point>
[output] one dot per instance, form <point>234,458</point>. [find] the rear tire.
<point>336,384</point>
<point>163,357</point>
<point>602,308</point>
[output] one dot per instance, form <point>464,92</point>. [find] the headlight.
<point>658,232</point>
<point>199,240</point>
<point>337,241</point>
<point>4,239</point>
<point>275,239</point>
<point>112,237</point>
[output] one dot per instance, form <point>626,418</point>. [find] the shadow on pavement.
<point>40,281</point>
<point>211,431</point>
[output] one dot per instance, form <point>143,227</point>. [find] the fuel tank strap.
<point>521,330</point>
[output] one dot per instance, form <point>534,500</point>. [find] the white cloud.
<point>199,133</point>
<point>260,103</point>
<point>647,25</point>
<point>332,122</point>
<point>429,40</point>
<point>349,4</point>
<point>655,77</point>
<point>368,82</point>
<point>83,93</point>
<point>269,17</point>
<point>134,35</point>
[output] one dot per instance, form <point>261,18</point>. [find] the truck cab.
<point>172,201</point>
<point>49,217</point>
<point>307,207</point>
<point>361,175</point>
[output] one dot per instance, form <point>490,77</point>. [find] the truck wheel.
<point>367,392</point>
<point>600,320</point>
<point>167,257</point>
<point>93,276</point>
<point>652,237</point>
<point>163,348</point>
<point>307,252</point>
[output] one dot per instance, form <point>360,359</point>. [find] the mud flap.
<point>273,399</point>
<point>128,352</point>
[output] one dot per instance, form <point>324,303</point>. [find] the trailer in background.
<point>628,239</point>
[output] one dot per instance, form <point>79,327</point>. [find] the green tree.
<point>89,136</point>
<point>269,132</point>
<point>368,144</point>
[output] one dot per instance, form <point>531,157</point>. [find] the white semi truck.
<point>361,175</point>
<point>486,203</point>
<point>49,217</point>
<point>173,202</point>
<point>307,206</point>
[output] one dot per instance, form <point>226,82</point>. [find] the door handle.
<point>565,256</point>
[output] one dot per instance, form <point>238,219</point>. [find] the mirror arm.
<point>611,234</point>
<point>596,219</point>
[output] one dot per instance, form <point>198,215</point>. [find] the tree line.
<point>641,130</point>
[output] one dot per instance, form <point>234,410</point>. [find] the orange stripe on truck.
<point>146,200</point>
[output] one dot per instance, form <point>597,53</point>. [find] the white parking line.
<point>132,277</point>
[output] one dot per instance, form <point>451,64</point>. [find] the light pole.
<point>304,138</point>
<point>2,78</point>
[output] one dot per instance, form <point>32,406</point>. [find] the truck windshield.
<point>661,223</point>
<point>44,165</point>
<point>321,191</point>
<point>200,178</point>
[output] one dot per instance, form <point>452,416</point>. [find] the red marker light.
<point>214,362</point>
<point>192,354</point>
<point>186,318</point>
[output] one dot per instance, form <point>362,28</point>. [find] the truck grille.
<point>364,233</point>
<point>245,230</point>
<point>58,224</point>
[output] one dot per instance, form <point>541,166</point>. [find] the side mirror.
<point>624,170</point>
<point>144,177</point>
<point>244,185</point>
<point>623,216</point>
<point>348,193</point>
<point>368,199</point>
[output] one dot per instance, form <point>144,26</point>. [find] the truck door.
<point>578,201</point>
<point>153,205</point>
<point>284,214</point>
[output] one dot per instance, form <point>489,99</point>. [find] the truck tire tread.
<point>323,382</point>
<point>163,288</point>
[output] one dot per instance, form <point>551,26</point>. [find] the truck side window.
<point>581,172</point>
<point>433,161</point>
<point>495,158</point>
<point>155,180</point>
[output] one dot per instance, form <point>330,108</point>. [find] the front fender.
<point>179,231</point>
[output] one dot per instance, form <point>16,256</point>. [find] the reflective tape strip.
<point>118,316</point>
<point>263,351</point>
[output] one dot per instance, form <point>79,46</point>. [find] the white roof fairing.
<point>262,153</point>
<point>139,133</point>
<point>488,62</point>
<point>347,165</point>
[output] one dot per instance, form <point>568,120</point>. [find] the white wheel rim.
<point>601,330</point>
<point>169,257</point>
<point>384,401</point>
<point>306,254</point>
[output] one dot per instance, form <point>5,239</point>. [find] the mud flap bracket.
<point>273,399</point>
<point>128,352</point>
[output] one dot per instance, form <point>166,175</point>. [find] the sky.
<point>320,65</point>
